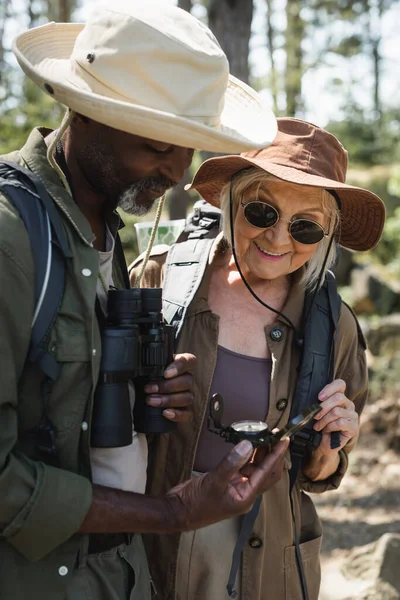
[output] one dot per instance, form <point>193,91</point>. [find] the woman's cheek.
<point>243,240</point>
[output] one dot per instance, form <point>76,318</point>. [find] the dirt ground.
<point>366,506</point>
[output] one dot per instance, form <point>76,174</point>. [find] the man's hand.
<point>214,496</point>
<point>175,392</point>
<point>225,491</point>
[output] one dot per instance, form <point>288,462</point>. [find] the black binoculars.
<point>136,347</point>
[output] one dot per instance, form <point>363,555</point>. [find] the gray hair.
<point>253,175</point>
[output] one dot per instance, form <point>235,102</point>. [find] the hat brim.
<point>246,122</point>
<point>362,212</point>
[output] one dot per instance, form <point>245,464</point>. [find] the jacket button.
<point>84,426</point>
<point>276,334</point>
<point>282,404</point>
<point>63,571</point>
<point>255,542</point>
<point>86,272</point>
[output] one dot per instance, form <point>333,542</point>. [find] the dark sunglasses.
<point>264,216</point>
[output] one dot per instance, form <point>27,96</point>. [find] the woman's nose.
<point>279,233</point>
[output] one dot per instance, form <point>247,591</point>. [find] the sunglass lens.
<point>260,215</point>
<point>306,232</point>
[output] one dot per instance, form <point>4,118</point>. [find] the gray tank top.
<point>244,383</point>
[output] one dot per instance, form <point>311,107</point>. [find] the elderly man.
<point>144,84</point>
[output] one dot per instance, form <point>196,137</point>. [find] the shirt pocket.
<point>310,552</point>
<point>71,392</point>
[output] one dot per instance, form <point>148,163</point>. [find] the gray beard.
<point>127,200</point>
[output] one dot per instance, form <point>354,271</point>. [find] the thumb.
<point>234,461</point>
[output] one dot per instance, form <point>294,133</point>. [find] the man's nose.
<point>176,163</point>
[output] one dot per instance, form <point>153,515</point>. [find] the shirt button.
<point>62,571</point>
<point>255,542</point>
<point>282,404</point>
<point>94,351</point>
<point>276,334</point>
<point>84,426</point>
<point>86,272</point>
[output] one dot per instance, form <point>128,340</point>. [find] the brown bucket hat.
<point>304,154</point>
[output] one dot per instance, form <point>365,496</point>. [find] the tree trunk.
<point>271,50</point>
<point>5,10</point>
<point>294,56</point>
<point>64,11</point>
<point>230,21</point>
<point>185,4</point>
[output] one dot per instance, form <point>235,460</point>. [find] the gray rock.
<point>377,562</point>
<point>381,590</point>
<point>371,294</point>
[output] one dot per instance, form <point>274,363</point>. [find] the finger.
<point>177,400</point>
<point>233,462</point>
<point>182,364</point>
<point>334,414</point>
<point>180,383</point>
<point>338,385</point>
<point>346,427</point>
<point>269,471</point>
<point>178,416</point>
<point>337,399</point>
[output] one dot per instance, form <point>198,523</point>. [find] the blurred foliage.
<point>368,141</point>
<point>35,109</point>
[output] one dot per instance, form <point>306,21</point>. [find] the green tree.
<point>23,105</point>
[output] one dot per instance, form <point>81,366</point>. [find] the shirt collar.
<point>34,154</point>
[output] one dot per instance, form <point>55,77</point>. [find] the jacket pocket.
<point>310,552</point>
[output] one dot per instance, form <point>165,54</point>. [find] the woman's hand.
<point>174,393</point>
<point>337,414</point>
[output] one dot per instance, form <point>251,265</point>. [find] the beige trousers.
<point>204,562</point>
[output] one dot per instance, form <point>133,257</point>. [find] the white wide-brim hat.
<point>149,69</point>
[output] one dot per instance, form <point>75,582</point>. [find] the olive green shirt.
<point>41,506</point>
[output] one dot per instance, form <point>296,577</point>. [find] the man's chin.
<point>140,203</point>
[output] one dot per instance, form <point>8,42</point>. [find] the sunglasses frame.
<point>291,222</point>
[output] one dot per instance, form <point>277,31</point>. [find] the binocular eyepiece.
<point>136,347</point>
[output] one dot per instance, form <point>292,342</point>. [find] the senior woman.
<point>290,207</point>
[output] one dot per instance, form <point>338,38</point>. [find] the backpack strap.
<point>322,312</point>
<point>185,267</point>
<point>50,249</point>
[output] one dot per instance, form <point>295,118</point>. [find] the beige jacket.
<point>269,570</point>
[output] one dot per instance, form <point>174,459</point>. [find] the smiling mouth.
<point>274,254</point>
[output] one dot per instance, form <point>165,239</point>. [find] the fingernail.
<point>171,372</point>
<point>244,448</point>
<point>151,388</point>
<point>153,401</point>
<point>170,414</point>
<point>321,395</point>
